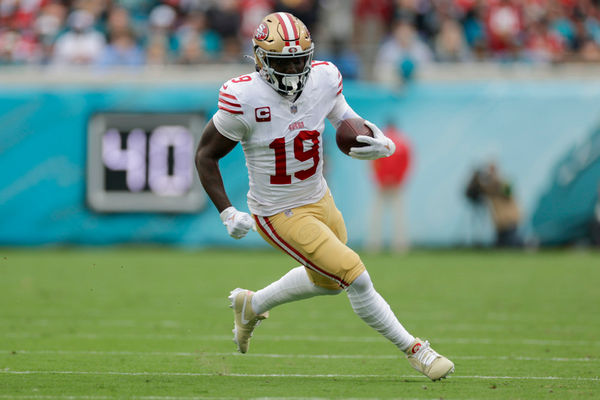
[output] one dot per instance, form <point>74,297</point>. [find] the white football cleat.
<point>245,320</point>
<point>427,361</point>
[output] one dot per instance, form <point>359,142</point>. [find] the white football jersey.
<point>281,139</point>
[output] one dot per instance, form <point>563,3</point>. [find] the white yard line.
<point>63,397</point>
<point>67,397</point>
<point>291,355</point>
<point>82,397</point>
<point>297,338</point>
<point>489,326</point>
<point>491,319</point>
<point>96,322</point>
<point>235,375</point>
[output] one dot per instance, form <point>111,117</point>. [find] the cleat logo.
<point>414,349</point>
<point>244,320</point>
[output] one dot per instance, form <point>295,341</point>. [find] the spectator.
<point>589,52</point>
<point>97,8</point>
<point>156,51</point>
<point>561,22</point>
<point>371,22</point>
<point>401,54</point>
<point>48,26</point>
<point>18,47</point>
<point>345,59</point>
<point>118,21</point>
<point>252,12</point>
<point>390,175</point>
<point>592,24</point>
<point>543,44</point>
<point>507,30</point>
<point>122,50</point>
<point>161,44</point>
<point>19,15</point>
<point>191,52</point>
<point>306,10</point>
<point>334,15</point>
<point>504,26</point>
<point>450,44</point>
<point>474,29</point>
<point>488,187</point>
<point>583,45</point>
<point>429,17</point>
<point>225,19</point>
<point>197,43</point>
<point>81,44</point>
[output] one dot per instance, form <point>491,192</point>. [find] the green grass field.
<point>153,324</point>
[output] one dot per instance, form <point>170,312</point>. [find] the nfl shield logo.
<point>294,108</point>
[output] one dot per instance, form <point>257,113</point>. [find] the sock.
<point>376,312</point>
<point>295,285</point>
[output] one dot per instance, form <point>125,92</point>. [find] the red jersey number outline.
<point>281,176</point>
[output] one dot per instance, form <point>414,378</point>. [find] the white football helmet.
<point>283,52</point>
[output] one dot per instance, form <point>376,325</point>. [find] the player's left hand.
<point>378,146</point>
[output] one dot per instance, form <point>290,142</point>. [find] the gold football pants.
<point>315,236</point>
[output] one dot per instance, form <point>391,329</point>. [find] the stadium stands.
<point>408,33</point>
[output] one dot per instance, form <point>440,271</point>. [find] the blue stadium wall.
<point>454,127</point>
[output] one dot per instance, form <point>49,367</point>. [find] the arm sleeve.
<point>340,111</point>
<point>229,125</point>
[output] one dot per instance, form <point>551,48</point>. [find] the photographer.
<point>487,186</point>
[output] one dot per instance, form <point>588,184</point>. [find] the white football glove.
<point>238,223</point>
<point>378,146</point>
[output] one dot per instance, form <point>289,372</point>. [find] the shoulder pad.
<point>333,75</point>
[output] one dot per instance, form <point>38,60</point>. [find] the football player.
<point>278,114</point>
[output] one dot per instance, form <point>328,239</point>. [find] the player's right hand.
<point>238,223</point>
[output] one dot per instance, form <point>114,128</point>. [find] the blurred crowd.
<point>364,37</point>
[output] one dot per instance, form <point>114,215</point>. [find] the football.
<point>346,133</point>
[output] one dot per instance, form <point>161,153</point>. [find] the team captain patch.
<point>262,114</point>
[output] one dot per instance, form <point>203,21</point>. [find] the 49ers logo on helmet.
<point>261,32</point>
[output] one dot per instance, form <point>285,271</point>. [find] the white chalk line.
<point>237,375</point>
<point>97,322</point>
<point>83,397</point>
<point>62,397</point>
<point>74,397</point>
<point>296,338</point>
<point>299,356</point>
<point>500,325</point>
